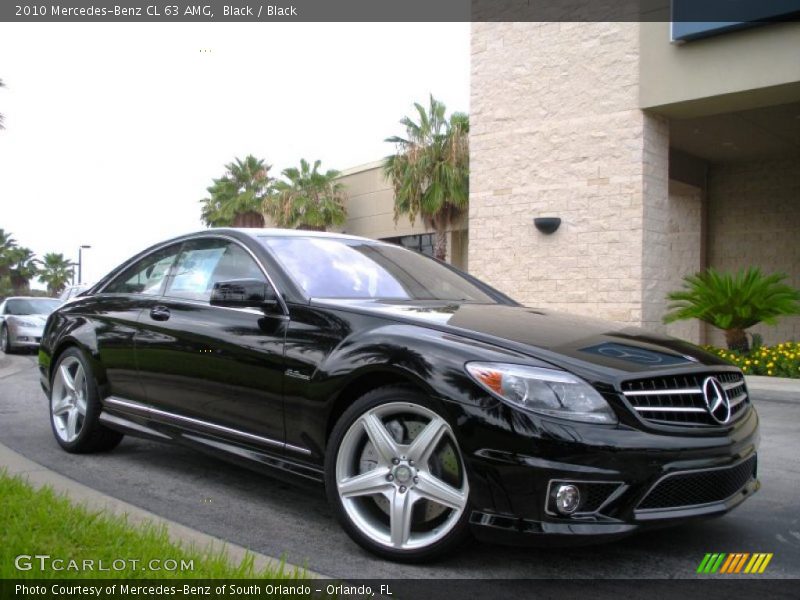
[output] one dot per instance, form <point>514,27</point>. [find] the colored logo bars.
<point>741,562</point>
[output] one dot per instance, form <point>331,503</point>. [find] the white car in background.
<point>22,320</point>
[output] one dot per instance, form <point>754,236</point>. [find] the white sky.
<point>113,131</point>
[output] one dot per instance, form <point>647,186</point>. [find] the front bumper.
<point>638,479</point>
<point>25,337</point>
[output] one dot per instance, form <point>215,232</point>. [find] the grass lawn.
<point>41,522</point>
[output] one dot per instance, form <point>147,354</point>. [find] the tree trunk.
<point>737,340</point>
<point>20,284</point>
<point>440,244</point>
<point>248,219</point>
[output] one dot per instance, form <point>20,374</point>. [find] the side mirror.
<point>243,293</point>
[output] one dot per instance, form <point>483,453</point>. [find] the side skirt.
<point>140,420</point>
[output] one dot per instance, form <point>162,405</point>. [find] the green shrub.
<point>733,302</point>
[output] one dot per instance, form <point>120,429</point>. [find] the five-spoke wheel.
<point>397,475</point>
<point>68,399</point>
<point>75,406</point>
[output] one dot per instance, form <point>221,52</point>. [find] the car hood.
<point>591,346</point>
<point>40,320</point>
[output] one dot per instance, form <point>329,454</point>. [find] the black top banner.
<point>684,11</point>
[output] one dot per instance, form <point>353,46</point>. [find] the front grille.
<point>679,400</point>
<point>692,488</point>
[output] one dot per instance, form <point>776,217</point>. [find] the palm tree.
<point>430,170</point>
<point>236,198</point>
<point>308,199</point>
<point>6,244</point>
<point>734,303</point>
<point>56,271</point>
<point>23,267</point>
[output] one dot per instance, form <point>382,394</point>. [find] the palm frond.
<point>430,169</point>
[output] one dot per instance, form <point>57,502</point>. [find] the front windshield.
<point>346,268</point>
<point>31,306</point>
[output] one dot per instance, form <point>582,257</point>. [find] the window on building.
<point>420,243</point>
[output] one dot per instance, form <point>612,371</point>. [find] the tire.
<point>5,340</point>
<point>75,407</point>
<point>406,497</point>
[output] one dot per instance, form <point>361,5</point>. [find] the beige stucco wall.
<point>370,212</point>
<point>556,130</point>
<point>754,220</point>
<point>370,205</point>
<point>734,71</point>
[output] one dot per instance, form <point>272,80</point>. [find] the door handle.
<point>159,313</point>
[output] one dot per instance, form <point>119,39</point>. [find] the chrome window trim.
<point>691,472</point>
<point>156,412</point>
<point>163,288</point>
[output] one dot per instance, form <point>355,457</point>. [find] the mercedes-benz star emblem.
<point>717,403</point>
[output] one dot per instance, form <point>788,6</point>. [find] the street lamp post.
<point>80,262</point>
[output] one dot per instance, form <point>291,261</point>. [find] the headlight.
<point>545,391</point>
<point>24,323</point>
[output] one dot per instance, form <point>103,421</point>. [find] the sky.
<point>114,131</point>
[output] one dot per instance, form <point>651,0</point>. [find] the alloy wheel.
<point>400,476</point>
<point>68,399</point>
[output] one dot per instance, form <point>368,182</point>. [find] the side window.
<point>145,276</point>
<point>203,263</point>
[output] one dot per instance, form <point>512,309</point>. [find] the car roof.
<point>29,298</point>
<point>258,232</point>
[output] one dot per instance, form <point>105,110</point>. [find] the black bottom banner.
<point>399,589</point>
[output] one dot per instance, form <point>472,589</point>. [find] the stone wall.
<point>556,131</point>
<point>754,220</point>
<point>684,231</point>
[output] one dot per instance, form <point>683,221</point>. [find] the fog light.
<point>568,498</point>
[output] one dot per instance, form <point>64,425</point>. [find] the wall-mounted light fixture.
<point>547,224</point>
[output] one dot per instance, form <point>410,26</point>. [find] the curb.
<point>785,388</point>
<point>39,476</point>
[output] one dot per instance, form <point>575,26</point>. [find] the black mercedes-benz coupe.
<point>429,404</point>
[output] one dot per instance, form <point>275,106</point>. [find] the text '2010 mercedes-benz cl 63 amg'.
<point>430,405</point>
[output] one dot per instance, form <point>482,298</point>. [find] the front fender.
<point>434,360</point>
<point>62,331</point>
